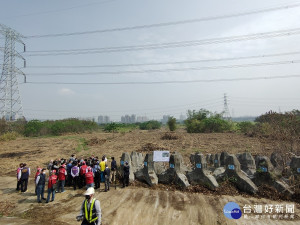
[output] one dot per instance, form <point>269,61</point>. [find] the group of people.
<point>76,173</point>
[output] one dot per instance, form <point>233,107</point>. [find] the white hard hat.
<point>90,191</point>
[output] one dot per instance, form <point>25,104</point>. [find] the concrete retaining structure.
<point>175,173</point>
<point>200,174</point>
<point>235,175</point>
<point>147,173</point>
<point>247,163</point>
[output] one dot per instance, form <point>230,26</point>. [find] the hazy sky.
<point>199,40</point>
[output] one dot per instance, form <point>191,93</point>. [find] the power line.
<point>180,22</point>
<point>61,10</point>
<point>170,82</point>
<point>171,63</point>
<point>202,103</point>
<point>167,70</point>
<point>278,33</point>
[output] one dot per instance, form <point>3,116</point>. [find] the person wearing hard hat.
<point>90,212</point>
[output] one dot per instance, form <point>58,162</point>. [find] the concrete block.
<point>217,162</point>
<point>126,157</point>
<point>233,172</point>
<point>223,157</point>
<point>200,174</point>
<point>247,163</point>
<point>175,173</point>
<point>147,173</point>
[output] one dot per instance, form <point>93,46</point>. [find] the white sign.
<point>161,156</point>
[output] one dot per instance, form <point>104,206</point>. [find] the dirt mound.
<point>150,147</point>
<point>96,141</point>
<point>169,136</point>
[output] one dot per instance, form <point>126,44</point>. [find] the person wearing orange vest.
<point>51,185</point>
<point>62,173</point>
<point>90,212</point>
<point>89,178</point>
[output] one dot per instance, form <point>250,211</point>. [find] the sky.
<point>193,53</point>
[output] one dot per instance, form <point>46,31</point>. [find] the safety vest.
<point>90,216</point>
<point>24,173</point>
<point>89,178</point>
<point>83,169</point>
<point>62,174</point>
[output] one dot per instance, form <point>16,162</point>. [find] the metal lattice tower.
<point>226,109</point>
<point>10,99</point>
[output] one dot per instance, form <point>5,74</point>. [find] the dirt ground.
<point>136,204</point>
<point>39,151</point>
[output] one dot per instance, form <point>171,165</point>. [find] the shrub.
<point>111,127</point>
<point>246,127</point>
<point>150,125</point>
<point>9,136</point>
<point>204,121</point>
<point>58,127</point>
<point>171,123</point>
<point>33,128</point>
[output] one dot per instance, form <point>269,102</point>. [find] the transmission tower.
<point>10,99</point>
<point>226,109</point>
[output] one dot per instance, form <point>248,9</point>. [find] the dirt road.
<point>130,206</point>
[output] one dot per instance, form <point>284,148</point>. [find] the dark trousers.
<point>106,183</point>
<point>76,182</point>
<point>24,183</point>
<point>61,185</point>
<point>126,180</point>
<point>82,181</point>
<point>18,185</point>
<point>102,179</point>
<point>51,191</point>
<point>40,192</point>
<point>97,180</point>
<point>69,180</point>
<point>85,222</point>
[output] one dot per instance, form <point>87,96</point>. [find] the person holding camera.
<point>90,212</point>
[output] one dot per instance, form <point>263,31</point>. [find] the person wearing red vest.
<point>89,178</point>
<point>62,173</point>
<point>82,174</point>
<point>51,185</point>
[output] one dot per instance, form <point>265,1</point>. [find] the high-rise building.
<point>165,119</point>
<point>128,119</point>
<point>103,119</point>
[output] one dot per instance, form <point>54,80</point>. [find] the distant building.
<point>128,118</point>
<point>103,119</point>
<point>182,118</point>
<point>165,119</point>
<point>141,119</point>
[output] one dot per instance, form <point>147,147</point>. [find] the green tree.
<point>171,123</point>
<point>204,121</point>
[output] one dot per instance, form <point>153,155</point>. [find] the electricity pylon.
<point>10,99</point>
<point>226,109</point>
